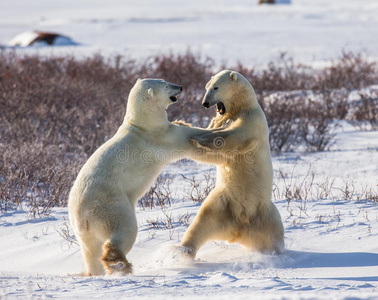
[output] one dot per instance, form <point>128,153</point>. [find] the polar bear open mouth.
<point>173,98</point>
<point>221,109</point>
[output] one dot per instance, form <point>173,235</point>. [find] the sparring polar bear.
<point>239,209</point>
<point>103,197</point>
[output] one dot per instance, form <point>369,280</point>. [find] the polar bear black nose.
<point>205,104</point>
<point>180,88</point>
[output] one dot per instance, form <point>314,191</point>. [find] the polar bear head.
<point>149,99</point>
<point>229,91</point>
<point>155,92</point>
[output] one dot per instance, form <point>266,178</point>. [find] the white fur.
<point>103,197</point>
<point>239,209</point>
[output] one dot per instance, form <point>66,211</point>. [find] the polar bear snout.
<point>175,90</point>
<point>221,108</point>
<point>208,100</point>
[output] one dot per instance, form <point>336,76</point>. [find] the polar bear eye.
<point>215,88</point>
<point>166,87</point>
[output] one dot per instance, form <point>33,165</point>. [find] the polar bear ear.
<point>139,79</point>
<point>234,76</point>
<point>150,92</point>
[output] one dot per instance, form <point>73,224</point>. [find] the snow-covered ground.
<point>227,31</point>
<point>331,240</point>
<point>331,237</point>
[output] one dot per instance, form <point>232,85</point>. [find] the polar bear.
<point>239,209</point>
<point>103,197</point>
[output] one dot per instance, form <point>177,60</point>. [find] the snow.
<point>227,31</point>
<point>331,237</point>
<point>331,242</point>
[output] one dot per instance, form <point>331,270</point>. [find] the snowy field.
<point>331,240</point>
<point>227,31</point>
<point>331,235</point>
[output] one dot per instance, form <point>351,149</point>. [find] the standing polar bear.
<point>102,200</point>
<point>239,209</point>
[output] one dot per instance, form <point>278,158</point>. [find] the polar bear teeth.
<point>173,98</point>
<point>221,109</point>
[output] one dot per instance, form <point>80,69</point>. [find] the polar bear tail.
<point>114,260</point>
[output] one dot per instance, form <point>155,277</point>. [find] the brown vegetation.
<point>56,111</point>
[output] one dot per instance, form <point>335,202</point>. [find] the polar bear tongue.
<point>221,109</point>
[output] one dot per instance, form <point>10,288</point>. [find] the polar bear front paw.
<point>199,143</point>
<point>182,123</point>
<point>186,252</point>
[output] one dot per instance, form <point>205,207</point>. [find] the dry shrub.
<point>159,195</point>
<point>365,110</point>
<point>56,101</point>
<point>285,115</point>
<point>303,119</point>
<point>200,189</point>
<point>35,177</point>
<point>283,74</point>
<point>317,127</point>
<point>334,102</point>
<point>56,111</point>
<point>350,71</point>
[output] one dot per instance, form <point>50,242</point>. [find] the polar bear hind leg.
<point>114,260</point>
<point>91,251</point>
<point>105,244</point>
<point>211,223</point>
<point>121,232</point>
<point>264,232</point>
<point>101,259</point>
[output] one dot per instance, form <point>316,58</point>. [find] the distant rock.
<point>274,1</point>
<point>40,38</point>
